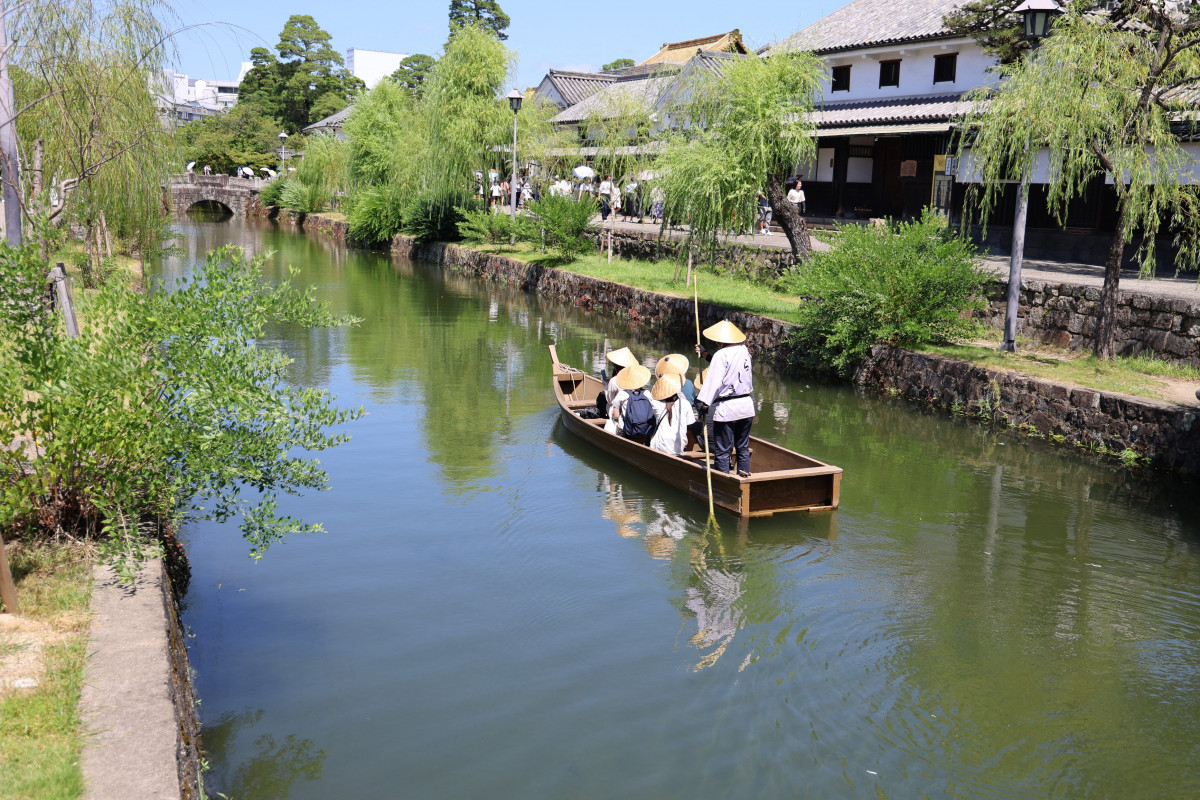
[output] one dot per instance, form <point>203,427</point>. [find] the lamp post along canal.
<point>514,102</point>
<point>283,154</point>
<point>1037,16</point>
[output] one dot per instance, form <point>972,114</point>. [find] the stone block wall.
<point>1164,433</point>
<point>1066,315</point>
<point>649,247</point>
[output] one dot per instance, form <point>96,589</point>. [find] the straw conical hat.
<point>622,357</point>
<point>634,377</point>
<point>672,363</point>
<point>666,387</point>
<point>725,332</point>
<point>700,379</point>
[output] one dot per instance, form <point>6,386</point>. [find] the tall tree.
<point>306,82</point>
<point>413,72</point>
<point>243,136</point>
<point>87,118</point>
<point>620,63</point>
<point>484,13</point>
<point>1100,98</point>
<point>745,129</point>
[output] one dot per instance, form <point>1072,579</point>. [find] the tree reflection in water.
<point>269,773</point>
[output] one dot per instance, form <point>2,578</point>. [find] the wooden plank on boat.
<point>781,480</point>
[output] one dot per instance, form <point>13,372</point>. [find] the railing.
<point>219,181</point>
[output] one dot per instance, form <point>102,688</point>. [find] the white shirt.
<point>606,187</point>
<point>729,374</point>
<point>616,407</point>
<point>795,196</point>
<point>671,434</point>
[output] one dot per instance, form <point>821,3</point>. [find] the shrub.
<point>307,198</point>
<point>164,408</point>
<point>907,283</point>
<point>269,196</point>
<point>481,225</point>
<point>376,213</point>
<point>434,216</point>
<point>565,221</point>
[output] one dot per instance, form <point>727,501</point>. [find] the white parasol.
<point>583,171</point>
<point>647,175</point>
<point>190,165</point>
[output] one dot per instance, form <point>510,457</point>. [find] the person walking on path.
<point>764,214</point>
<point>604,194</point>
<point>725,396</point>
<point>657,196</point>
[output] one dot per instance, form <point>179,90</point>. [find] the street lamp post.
<point>283,154</point>
<point>514,102</point>
<point>1037,16</point>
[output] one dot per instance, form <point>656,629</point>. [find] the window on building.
<point>944,67</point>
<point>889,73</point>
<point>841,79</point>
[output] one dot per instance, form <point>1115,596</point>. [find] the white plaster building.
<point>372,66</point>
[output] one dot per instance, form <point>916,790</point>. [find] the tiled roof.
<point>681,52</point>
<point>333,121</point>
<point>926,108</point>
<point>865,23</point>
<point>577,86</point>
<point>612,99</point>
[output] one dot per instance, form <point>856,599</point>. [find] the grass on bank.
<point>40,740</point>
<point>658,276</point>
<point>1142,376</point>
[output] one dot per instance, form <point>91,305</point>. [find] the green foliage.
<point>484,14</point>
<point>270,195</point>
<point>307,198</point>
<point>744,126</point>
<point>85,76</point>
<point>241,137</point>
<point>906,284</point>
<point>482,226</point>
<point>306,83</point>
<point>435,216</point>
<point>413,72</point>
<point>375,214</point>
<point>620,63</point>
<point>163,408</point>
<point>565,222</point>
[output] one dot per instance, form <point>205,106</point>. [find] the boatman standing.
<point>725,397</point>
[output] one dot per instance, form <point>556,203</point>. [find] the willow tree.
<point>1104,95</point>
<point>741,130</point>
<point>92,141</point>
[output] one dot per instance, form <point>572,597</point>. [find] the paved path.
<point>1164,284</point>
<point>128,713</point>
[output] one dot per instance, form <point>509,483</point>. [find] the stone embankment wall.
<point>1163,433</point>
<point>1066,315</point>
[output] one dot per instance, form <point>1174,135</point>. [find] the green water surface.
<point>499,611</point>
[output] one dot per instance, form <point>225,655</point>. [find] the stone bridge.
<point>185,191</point>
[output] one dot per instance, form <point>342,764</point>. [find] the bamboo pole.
<point>712,514</point>
<point>8,589</point>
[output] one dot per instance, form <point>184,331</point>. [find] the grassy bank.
<point>40,741</point>
<point>659,276</point>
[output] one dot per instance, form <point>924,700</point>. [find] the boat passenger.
<point>621,358</point>
<point>726,399</point>
<point>678,364</point>
<point>630,381</point>
<point>673,414</point>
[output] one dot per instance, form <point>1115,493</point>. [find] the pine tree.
<point>486,13</point>
<point>412,73</point>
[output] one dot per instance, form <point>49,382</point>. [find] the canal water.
<point>497,610</point>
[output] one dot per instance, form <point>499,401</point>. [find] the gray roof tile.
<point>926,108</point>
<point>865,23</point>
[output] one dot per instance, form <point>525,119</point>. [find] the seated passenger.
<point>622,358</point>
<point>679,365</point>
<point>673,414</point>
<point>630,413</point>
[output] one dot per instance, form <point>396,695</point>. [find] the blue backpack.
<point>638,420</point>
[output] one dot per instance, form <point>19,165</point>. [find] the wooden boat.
<point>781,479</point>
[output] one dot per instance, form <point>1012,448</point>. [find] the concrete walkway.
<point>128,713</point>
<point>1164,284</point>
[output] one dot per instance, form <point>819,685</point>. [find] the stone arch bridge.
<point>185,191</point>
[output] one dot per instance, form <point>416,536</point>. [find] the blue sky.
<point>544,34</point>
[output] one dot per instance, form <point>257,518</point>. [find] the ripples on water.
<point>499,610</point>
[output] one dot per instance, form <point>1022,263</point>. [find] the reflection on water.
<point>500,610</point>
